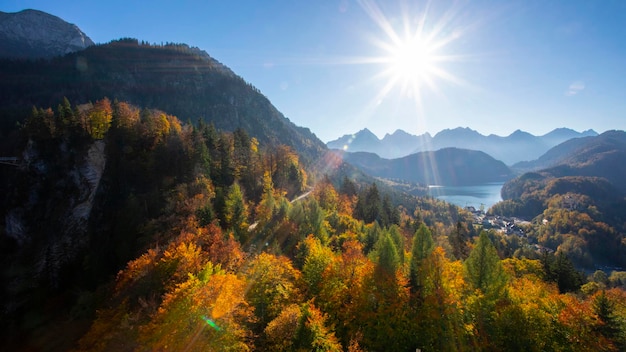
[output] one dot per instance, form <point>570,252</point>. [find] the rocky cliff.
<point>33,34</point>
<point>50,215</point>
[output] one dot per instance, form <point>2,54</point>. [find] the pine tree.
<point>423,246</point>
<point>226,172</point>
<point>483,268</point>
<point>388,258</point>
<point>241,154</point>
<point>560,270</point>
<point>67,120</point>
<point>398,240</point>
<point>236,212</point>
<point>608,324</point>
<point>568,279</point>
<point>485,274</point>
<point>347,187</point>
<point>458,241</point>
<point>390,214</point>
<point>369,206</point>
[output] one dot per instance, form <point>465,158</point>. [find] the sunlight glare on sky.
<point>339,66</point>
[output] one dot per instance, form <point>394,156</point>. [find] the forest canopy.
<point>201,239</point>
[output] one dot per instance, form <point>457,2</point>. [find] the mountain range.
<point>517,147</point>
<point>32,34</point>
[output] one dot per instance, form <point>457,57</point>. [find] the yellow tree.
<point>272,286</point>
<point>125,116</point>
<point>317,258</point>
<point>342,288</point>
<point>99,118</point>
<point>268,205</point>
<point>526,319</point>
<point>301,328</point>
<point>383,312</point>
<point>208,312</point>
<point>326,195</point>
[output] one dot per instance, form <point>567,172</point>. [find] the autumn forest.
<point>207,240</point>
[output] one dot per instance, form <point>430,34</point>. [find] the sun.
<point>411,62</point>
<point>412,59</point>
<point>414,52</point>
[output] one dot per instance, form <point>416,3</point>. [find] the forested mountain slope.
<point>578,204</point>
<point>104,184</point>
<point>600,156</point>
<point>175,78</point>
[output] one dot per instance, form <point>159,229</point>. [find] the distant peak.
<point>399,132</point>
<point>458,131</point>
<point>569,133</point>
<point>464,129</point>
<point>366,132</point>
<point>563,130</point>
<point>519,132</point>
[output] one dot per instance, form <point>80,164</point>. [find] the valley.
<point>153,200</point>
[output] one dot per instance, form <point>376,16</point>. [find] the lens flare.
<point>211,323</point>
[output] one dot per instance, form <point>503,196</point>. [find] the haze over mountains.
<point>518,146</point>
<point>446,166</point>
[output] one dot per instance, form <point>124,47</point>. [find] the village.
<point>506,225</point>
<point>511,226</point>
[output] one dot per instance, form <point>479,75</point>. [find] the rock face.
<point>32,34</point>
<point>57,199</point>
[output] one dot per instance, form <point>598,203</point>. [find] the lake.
<point>463,196</point>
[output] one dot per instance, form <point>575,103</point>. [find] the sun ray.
<point>413,54</point>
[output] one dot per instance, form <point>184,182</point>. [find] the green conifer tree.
<point>483,268</point>
<point>423,246</point>
<point>236,212</point>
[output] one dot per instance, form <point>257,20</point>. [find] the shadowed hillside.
<point>449,166</point>
<point>175,78</point>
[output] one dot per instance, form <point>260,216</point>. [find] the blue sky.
<point>494,66</point>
